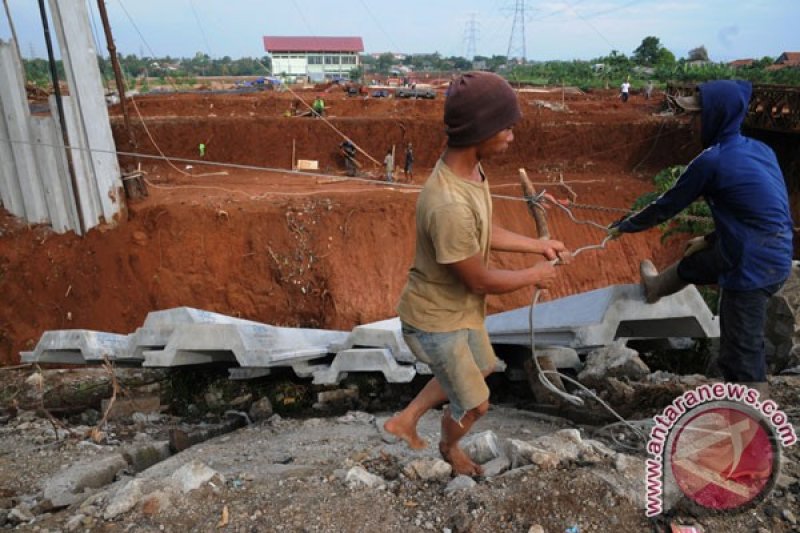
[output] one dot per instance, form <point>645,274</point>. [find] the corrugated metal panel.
<point>313,44</point>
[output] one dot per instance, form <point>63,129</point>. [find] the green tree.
<point>385,62</point>
<point>648,52</point>
<point>356,73</point>
<point>665,58</point>
<point>461,63</point>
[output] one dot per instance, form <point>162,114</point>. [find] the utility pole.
<point>134,183</point>
<point>119,80</point>
<point>516,43</point>
<point>471,31</point>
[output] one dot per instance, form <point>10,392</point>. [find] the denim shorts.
<point>458,360</point>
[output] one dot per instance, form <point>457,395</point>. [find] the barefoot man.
<point>442,307</point>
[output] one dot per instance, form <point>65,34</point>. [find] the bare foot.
<point>401,428</point>
<point>460,461</point>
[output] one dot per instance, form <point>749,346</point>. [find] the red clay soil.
<point>315,251</point>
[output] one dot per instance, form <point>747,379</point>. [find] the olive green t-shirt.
<point>453,223</point>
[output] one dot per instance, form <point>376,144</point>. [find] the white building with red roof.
<point>318,58</point>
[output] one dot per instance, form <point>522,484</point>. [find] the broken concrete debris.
<point>482,447</point>
<point>615,361</point>
<point>428,470</point>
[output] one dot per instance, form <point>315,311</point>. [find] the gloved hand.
<point>613,228</point>
<point>695,245</point>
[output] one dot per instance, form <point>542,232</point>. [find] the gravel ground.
<point>295,474</point>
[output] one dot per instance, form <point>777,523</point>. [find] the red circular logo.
<point>723,457</point>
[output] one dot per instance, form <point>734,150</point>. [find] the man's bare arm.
<point>504,240</point>
<point>481,280</point>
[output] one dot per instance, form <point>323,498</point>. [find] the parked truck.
<point>415,92</point>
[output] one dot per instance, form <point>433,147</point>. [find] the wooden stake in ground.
<point>543,232</point>
<point>535,208</point>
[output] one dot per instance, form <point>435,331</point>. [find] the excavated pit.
<point>319,251</point>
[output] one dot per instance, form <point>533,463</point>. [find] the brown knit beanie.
<point>478,105</point>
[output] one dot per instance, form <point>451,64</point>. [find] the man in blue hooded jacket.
<point>750,252</point>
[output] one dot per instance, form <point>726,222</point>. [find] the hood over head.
<point>724,106</point>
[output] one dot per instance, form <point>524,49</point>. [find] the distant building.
<point>317,58</point>
<point>697,63</point>
<point>395,56</point>
<point>739,63</point>
<point>785,60</point>
<point>788,58</point>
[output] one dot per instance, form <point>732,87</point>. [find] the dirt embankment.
<point>312,251</point>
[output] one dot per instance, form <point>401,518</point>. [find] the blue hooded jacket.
<point>741,181</point>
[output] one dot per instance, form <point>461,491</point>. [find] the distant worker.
<point>409,164</point>
<point>388,161</point>
<point>625,90</point>
<point>648,90</point>
<point>348,150</point>
<point>202,149</point>
<point>318,106</point>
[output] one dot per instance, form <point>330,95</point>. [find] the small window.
<point>331,60</point>
<point>314,60</point>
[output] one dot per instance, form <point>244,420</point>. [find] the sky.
<point>553,30</point>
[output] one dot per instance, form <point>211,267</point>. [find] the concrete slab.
<point>159,326</point>
<point>248,344</point>
<point>176,316</point>
<point>596,318</point>
<point>87,188</point>
<point>365,360</point>
<point>10,192</point>
<point>78,346</point>
<point>302,369</point>
<point>241,374</point>
<point>79,57</point>
<point>52,163</point>
<point>382,334</point>
<point>16,116</point>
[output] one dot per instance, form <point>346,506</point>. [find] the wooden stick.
<point>536,210</point>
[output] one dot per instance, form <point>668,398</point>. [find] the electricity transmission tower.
<point>516,43</point>
<point>471,31</point>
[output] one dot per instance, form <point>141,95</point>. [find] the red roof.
<point>788,57</point>
<point>313,44</point>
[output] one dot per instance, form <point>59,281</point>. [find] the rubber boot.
<point>657,284</point>
<point>761,386</point>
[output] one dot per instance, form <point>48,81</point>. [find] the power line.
<point>471,32</point>
<point>380,26</point>
<point>95,32</point>
<point>592,26</point>
<point>516,42</point>
<point>135,27</point>
<point>202,31</point>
